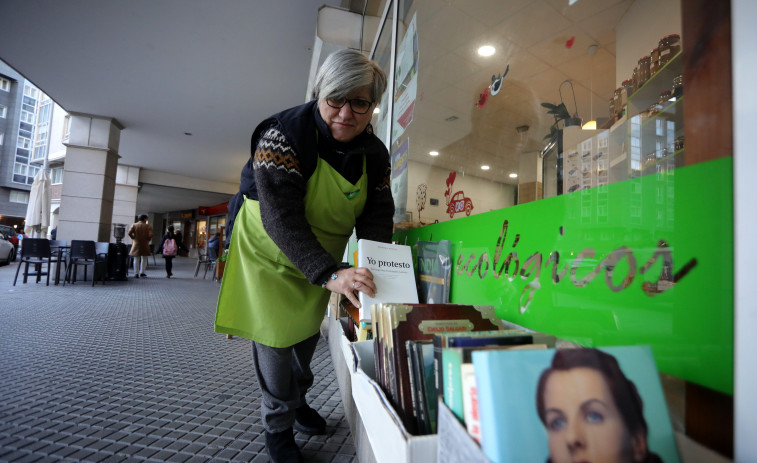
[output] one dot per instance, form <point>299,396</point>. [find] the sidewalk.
<point>132,371</point>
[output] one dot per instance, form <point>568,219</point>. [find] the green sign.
<point>644,261</point>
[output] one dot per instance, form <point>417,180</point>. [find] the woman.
<point>316,172</point>
<point>591,411</point>
<point>141,233</point>
<point>169,250</point>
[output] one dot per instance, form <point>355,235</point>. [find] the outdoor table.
<point>61,251</point>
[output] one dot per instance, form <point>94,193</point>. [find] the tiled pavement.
<point>132,371</point>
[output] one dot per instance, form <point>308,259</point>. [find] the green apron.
<point>264,297</point>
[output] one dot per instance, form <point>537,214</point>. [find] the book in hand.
<point>398,323</point>
<point>610,398</point>
<point>393,274</point>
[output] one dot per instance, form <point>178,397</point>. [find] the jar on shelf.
<point>669,46</point>
<point>635,78</point>
<point>664,97</point>
<point>628,87</point>
<point>655,64</point>
<point>644,71</point>
<point>612,108</point>
<point>678,86</point>
<point>618,101</point>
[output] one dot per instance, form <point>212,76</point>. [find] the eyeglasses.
<point>357,105</point>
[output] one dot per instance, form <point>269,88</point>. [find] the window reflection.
<point>550,68</point>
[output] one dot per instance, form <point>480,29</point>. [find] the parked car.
<point>10,235</point>
<point>7,251</point>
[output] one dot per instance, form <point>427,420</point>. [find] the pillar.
<point>125,196</point>
<point>86,208</point>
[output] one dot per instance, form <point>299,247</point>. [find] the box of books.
<point>455,443</point>
<point>389,439</point>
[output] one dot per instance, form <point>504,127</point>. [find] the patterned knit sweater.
<point>285,152</point>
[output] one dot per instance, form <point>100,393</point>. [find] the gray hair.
<point>345,71</point>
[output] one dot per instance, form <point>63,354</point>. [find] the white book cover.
<point>470,401</point>
<point>393,274</point>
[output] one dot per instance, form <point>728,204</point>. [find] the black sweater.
<point>285,150</point>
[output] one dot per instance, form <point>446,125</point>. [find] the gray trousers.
<point>284,377</point>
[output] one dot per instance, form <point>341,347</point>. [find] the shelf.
<point>661,80</point>
<point>657,162</point>
<point>670,110</point>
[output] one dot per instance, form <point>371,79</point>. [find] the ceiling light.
<point>513,175</point>
<point>484,167</point>
<point>486,50</point>
<point>433,153</point>
<point>376,110</point>
<point>591,125</point>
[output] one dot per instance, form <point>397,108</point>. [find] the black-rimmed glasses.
<point>357,105</point>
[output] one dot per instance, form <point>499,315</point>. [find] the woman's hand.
<point>352,280</point>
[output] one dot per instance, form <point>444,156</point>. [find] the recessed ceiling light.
<point>513,175</point>
<point>484,167</point>
<point>433,153</point>
<point>486,50</point>
<point>376,110</point>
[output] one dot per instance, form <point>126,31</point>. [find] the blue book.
<point>577,409</point>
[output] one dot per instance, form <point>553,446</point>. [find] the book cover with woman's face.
<point>587,405</point>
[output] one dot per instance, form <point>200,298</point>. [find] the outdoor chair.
<point>211,263</point>
<point>83,253</point>
<point>34,251</point>
<point>58,256</point>
<point>202,260</point>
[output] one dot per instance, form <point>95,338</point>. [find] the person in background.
<point>54,233</point>
<point>180,243</point>
<point>169,248</point>
<point>316,172</point>
<point>140,233</point>
<point>214,244</point>
<point>591,410</point>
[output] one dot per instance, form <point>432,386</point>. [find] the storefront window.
<point>600,233</point>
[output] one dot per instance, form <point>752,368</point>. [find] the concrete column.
<point>92,156</point>
<point>125,196</point>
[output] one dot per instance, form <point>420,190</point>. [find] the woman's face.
<point>583,423</point>
<point>345,124</point>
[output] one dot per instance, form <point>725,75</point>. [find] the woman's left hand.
<point>352,280</point>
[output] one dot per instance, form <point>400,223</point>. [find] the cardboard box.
<point>388,438</point>
<point>455,444</point>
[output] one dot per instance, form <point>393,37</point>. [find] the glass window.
<point>56,175</point>
<point>2,138</point>
<point>24,143</point>
<point>30,91</point>
<point>3,111</point>
<point>20,169</point>
<point>5,84</point>
<point>27,116</point>
<point>39,152</point>
<point>66,127</point>
<point>18,196</point>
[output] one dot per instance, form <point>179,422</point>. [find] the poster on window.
<point>406,81</point>
<point>399,181</point>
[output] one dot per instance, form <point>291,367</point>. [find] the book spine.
<point>452,359</point>
<point>470,401</point>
